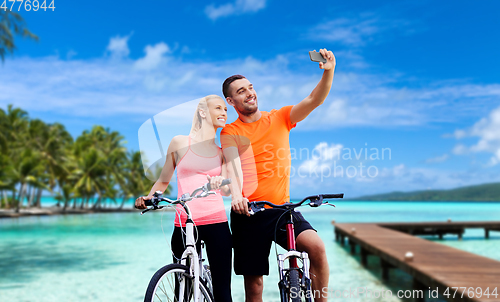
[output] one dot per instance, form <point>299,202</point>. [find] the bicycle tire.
<point>164,285</point>
<point>295,289</point>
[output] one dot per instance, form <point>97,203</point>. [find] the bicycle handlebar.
<point>315,201</point>
<point>224,182</point>
<point>329,196</point>
<point>205,190</point>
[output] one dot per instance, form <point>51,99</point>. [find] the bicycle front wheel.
<point>295,290</point>
<point>291,289</point>
<point>169,280</point>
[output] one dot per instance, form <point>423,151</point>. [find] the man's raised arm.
<point>320,92</point>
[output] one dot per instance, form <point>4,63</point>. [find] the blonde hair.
<point>197,119</point>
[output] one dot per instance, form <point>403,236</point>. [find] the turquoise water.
<point>111,257</point>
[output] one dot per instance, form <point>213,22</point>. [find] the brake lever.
<point>146,210</point>
<point>254,209</point>
<point>204,194</point>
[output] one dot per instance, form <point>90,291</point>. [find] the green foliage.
<point>11,25</point>
<point>94,168</point>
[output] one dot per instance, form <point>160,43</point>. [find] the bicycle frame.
<point>292,254</point>
<point>190,253</point>
<point>191,262</point>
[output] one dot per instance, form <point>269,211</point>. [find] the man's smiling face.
<point>243,97</point>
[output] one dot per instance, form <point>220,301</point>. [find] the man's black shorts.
<point>253,236</point>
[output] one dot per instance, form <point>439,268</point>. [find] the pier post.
<point>364,256</point>
<point>353,247</point>
<point>385,269</point>
<point>486,233</point>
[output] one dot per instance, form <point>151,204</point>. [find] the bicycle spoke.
<point>162,288</point>
<point>158,297</point>
<point>172,286</point>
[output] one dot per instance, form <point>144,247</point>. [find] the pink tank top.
<point>192,172</point>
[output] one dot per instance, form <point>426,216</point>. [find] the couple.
<point>252,156</point>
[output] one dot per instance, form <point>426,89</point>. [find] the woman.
<point>198,159</point>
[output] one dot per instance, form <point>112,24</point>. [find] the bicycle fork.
<point>194,266</point>
<point>292,255</point>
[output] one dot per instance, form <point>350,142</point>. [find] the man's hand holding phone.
<point>325,58</point>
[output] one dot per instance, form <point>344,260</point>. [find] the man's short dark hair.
<point>228,81</point>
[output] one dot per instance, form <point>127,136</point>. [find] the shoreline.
<point>52,211</point>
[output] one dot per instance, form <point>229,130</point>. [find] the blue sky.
<point>417,77</point>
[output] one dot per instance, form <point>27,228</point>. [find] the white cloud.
<point>460,149</point>
<point>321,157</point>
<point>119,85</point>
<point>237,8</point>
<point>154,56</point>
<point>347,31</point>
<point>460,134</point>
<point>438,159</point>
<point>488,131</point>
<point>357,31</point>
<point>118,47</point>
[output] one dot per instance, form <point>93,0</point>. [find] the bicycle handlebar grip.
<point>341,195</point>
<point>148,202</point>
<point>224,182</point>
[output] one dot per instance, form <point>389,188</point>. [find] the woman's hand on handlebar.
<point>215,182</point>
<point>139,202</point>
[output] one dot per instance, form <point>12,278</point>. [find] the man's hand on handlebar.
<point>239,204</point>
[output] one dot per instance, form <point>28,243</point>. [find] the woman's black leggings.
<point>217,238</point>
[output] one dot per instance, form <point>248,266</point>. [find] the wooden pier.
<point>432,265</point>
<point>443,228</point>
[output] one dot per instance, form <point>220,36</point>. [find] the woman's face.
<point>217,111</point>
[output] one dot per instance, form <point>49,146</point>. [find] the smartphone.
<point>316,56</point>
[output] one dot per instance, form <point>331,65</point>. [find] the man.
<point>256,146</point>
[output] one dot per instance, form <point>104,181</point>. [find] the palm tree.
<point>14,124</point>
<point>27,172</point>
<point>12,24</point>
<point>53,142</point>
<point>136,184</point>
<point>36,156</point>
<point>6,178</point>
<point>5,162</point>
<point>109,155</point>
<point>90,175</point>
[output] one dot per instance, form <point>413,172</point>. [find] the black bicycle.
<point>295,281</point>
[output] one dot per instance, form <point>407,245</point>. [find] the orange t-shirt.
<point>264,150</point>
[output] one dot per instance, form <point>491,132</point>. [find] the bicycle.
<point>189,280</point>
<point>295,281</point>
